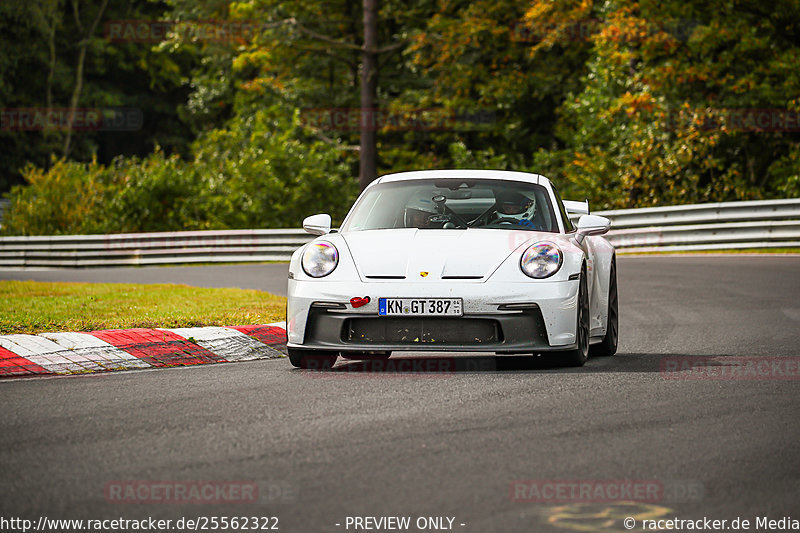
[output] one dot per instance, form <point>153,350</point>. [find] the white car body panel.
<point>443,253</point>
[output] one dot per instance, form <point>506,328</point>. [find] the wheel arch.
<point>603,257</point>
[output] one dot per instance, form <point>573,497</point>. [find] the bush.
<point>64,199</point>
<point>271,174</point>
<point>261,171</point>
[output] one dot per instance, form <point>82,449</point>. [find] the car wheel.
<point>608,346</point>
<point>579,355</point>
<point>311,359</point>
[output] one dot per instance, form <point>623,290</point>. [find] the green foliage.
<point>116,74</point>
<point>655,122</point>
<point>627,104</point>
<point>479,159</point>
<point>262,171</point>
<point>63,199</point>
<point>153,194</point>
<point>271,172</point>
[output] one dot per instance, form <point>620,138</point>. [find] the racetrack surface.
<point>270,277</point>
<point>354,442</point>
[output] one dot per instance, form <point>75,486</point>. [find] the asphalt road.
<point>270,277</point>
<point>355,442</point>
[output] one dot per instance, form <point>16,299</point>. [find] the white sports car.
<point>454,260</point>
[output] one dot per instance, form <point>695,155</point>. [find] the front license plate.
<point>420,307</point>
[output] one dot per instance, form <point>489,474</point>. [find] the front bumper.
<point>484,327</point>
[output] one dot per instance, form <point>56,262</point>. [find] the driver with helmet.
<point>512,206</point>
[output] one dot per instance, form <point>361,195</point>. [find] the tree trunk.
<point>51,44</point>
<point>76,92</point>
<point>73,102</point>
<point>368,170</point>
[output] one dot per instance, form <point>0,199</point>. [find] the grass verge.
<point>34,307</point>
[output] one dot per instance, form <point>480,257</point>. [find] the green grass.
<point>34,307</point>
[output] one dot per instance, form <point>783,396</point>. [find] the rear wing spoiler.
<point>576,208</point>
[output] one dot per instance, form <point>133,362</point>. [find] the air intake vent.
<point>426,330</point>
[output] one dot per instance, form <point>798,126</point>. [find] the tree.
<point>45,66</point>
<point>86,35</point>
<point>368,154</point>
<point>322,57</point>
<point>516,61</point>
<point>661,115</point>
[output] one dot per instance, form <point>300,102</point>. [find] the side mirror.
<point>591,225</point>
<point>317,224</point>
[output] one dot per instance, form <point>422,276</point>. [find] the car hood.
<point>445,254</point>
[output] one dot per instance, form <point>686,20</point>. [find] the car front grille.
<point>421,330</point>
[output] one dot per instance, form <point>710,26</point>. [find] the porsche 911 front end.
<point>441,261</point>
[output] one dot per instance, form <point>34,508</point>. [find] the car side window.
<point>569,227</point>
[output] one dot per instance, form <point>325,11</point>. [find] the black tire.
<point>608,346</point>
<point>312,359</point>
<point>578,356</point>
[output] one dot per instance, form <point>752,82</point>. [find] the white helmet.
<point>515,205</point>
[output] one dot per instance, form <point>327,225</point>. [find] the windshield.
<point>454,204</point>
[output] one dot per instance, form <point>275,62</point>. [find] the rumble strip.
<point>123,349</point>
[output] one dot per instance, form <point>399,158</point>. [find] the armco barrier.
<point>172,248</point>
<point>724,225</point>
<point>728,225</point>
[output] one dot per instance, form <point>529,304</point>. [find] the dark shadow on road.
<point>673,366</point>
<point>449,364</point>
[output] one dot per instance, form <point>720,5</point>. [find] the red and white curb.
<point>122,349</point>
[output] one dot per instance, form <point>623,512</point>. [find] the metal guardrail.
<point>728,225</point>
<point>714,226</point>
<point>172,248</point>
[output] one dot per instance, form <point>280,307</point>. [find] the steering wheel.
<point>506,220</point>
<point>453,216</point>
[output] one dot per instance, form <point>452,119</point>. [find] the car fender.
<point>600,254</point>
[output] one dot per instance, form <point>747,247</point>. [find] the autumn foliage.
<point>628,104</point>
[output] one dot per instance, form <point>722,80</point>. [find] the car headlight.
<point>319,259</point>
<point>541,260</point>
